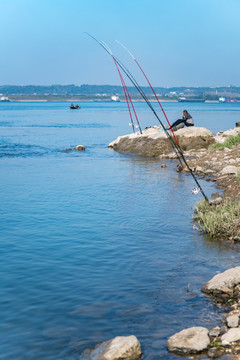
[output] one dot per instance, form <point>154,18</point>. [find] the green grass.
<point>221,221</point>
<point>228,143</point>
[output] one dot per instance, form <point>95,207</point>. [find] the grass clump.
<point>219,221</point>
<point>228,143</point>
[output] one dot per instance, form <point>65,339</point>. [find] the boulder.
<point>153,142</point>
<point>232,321</point>
<point>189,341</point>
<point>223,283</point>
<point>119,348</point>
<point>229,170</point>
<point>79,148</point>
<point>231,336</point>
<point>238,124</point>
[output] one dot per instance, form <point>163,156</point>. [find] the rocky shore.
<point>221,340</point>
<point>224,339</point>
<point>213,164</point>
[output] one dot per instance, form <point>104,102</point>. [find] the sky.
<point>177,42</point>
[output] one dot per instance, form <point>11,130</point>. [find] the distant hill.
<point>108,90</point>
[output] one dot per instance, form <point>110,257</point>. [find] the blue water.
<point>97,244</point>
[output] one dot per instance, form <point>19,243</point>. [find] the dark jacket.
<point>188,120</point>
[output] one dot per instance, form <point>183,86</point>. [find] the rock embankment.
<point>153,142</point>
<point>220,165</point>
<point>223,339</point>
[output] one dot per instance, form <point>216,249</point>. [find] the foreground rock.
<point>154,143</point>
<point>223,283</point>
<point>189,341</point>
<point>231,336</point>
<point>119,348</point>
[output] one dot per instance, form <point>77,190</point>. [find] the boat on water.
<point>4,98</point>
<point>115,98</point>
<point>75,107</point>
<point>228,100</point>
<point>184,99</point>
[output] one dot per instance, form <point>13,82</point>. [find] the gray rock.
<point>163,166</point>
<point>199,169</point>
<point>189,341</point>
<point>215,332</point>
<point>215,195</point>
<point>223,283</point>
<point>223,329</point>
<point>232,321</point>
<point>231,336</point>
<point>119,348</point>
<point>229,170</point>
<point>216,201</point>
<point>79,148</point>
<point>214,352</point>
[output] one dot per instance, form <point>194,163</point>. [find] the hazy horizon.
<point>114,85</point>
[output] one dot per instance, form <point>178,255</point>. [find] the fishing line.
<point>125,89</point>
<point>124,47</point>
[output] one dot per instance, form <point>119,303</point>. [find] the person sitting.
<point>186,120</point>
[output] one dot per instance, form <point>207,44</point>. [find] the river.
<point>96,244</point>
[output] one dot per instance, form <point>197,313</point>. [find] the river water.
<point>97,244</point>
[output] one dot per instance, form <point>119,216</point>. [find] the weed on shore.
<point>228,143</point>
<point>219,221</point>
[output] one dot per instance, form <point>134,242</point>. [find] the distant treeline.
<point>108,90</point>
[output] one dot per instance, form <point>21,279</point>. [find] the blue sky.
<point>177,42</point>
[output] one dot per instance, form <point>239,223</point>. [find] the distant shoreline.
<point>100,100</point>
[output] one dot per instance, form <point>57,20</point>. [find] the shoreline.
<point>105,100</point>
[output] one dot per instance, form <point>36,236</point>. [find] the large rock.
<point>229,170</point>
<point>231,336</point>
<point>153,142</point>
<point>223,283</point>
<point>189,341</point>
<point>119,348</point>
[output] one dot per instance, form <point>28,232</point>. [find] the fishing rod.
<point>178,146</point>
<point>125,89</point>
<point>177,149</point>
<point>135,83</point>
